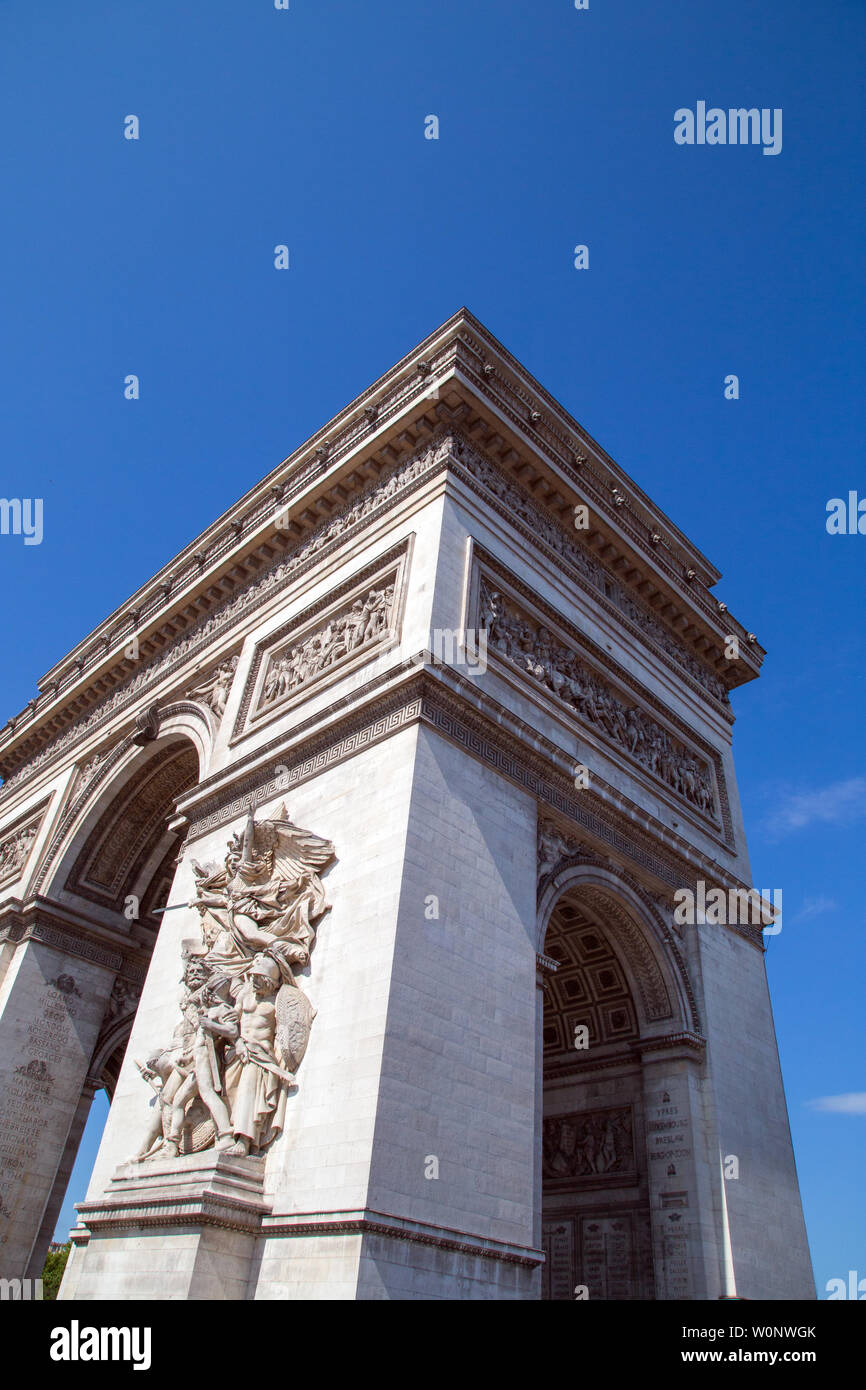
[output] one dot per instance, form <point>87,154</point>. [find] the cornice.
<point>51,924</point>
<point>222,621</point>
<point>369,1222</point>
<point>115,1212</point>
<point>625,508</point>
<point>466,367</point>
<point>684,1045</point>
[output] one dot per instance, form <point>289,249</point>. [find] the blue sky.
<point>306,127</point>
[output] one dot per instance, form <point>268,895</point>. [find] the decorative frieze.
<point>15,848</point>
<point>527,644</point>
<point>542,526</point>
<point>326,641</point>
<point>448,448</point>
<point>381,495</point>
<point>316,653</point>
<point>593,1145</point>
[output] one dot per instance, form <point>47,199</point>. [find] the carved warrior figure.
<point>88,772</point>
<point>214,692</point>
<point>365,621</point>
<point>245,1021</point>
<point>537,652</point>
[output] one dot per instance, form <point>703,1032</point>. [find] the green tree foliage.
<point>55,1264</point>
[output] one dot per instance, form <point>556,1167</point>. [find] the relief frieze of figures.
<point>588,1145</point>
<point>281,572</point>
<point>377,495</point>
<point>359,625</point>
<point>534,649</point>
<point>223,1079</point>
<point>14,851</point>
<point>588,566</point>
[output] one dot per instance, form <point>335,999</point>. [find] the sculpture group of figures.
<point>223,1079</point>
<point>535,650</point>
<point>580,1146</point>
<point>366,620</point>
<point>14,851</point>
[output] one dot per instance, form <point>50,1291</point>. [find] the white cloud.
<point>814,907</point>
<point>854,1103</point>
<point>839,803</point>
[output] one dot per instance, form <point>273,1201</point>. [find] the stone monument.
<point>348,857</point>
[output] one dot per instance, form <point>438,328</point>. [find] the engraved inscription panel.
<point>606,1252</point>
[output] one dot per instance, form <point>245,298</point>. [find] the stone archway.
<point>620,1054</point>
<point>79,967</point>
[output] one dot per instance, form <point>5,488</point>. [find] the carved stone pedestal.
<point>183,1228</point>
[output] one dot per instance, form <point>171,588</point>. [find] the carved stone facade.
<point>14,850</point>
<point>592,1145</point>
<point>534,650</point>
<point>223,1079</point>
<point>297,1026</point>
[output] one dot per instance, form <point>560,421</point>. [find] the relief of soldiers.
<point>363,622</point>
<point>561,671</point>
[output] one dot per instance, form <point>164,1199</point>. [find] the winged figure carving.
<point>245,1018</point>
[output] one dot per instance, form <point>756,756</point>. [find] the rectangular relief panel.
<point>589,1149</point>
<point>325,642</point>
<point>527,637</point>
<point>16,842</point>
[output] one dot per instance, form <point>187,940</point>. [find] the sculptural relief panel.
<point>213,690</point>
<point>552,654</point>
<point>326,641</point>
<point>224,1077</point>
<point>15,847</point>
<point>590,1145</point>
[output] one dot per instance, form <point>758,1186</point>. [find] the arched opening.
<point>609,996</point>
<point>114,866</point>
<point>126,854</point>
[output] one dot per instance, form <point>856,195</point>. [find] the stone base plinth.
<point>183,1228</point>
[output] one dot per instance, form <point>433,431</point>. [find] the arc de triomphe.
<point>344,856</point>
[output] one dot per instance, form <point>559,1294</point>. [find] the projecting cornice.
<point>460,378</point>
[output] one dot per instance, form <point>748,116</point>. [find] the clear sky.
<point>306,127</point>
